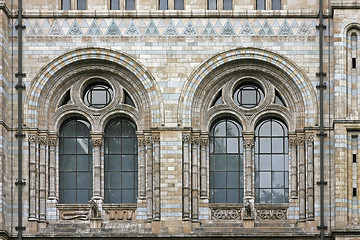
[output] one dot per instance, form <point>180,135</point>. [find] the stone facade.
<point>175,66</point>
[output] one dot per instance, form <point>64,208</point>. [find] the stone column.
<point>97,142</point>
<point>186,175</point>
<point>302,177</point>
<point>310,176</point>
<point>248,168</point>
<point>142,166</point>
<point>195,178</point>
<point>32,177</point>
<point>149,175</point>
<point>52,167</point>
<point>203,166</point>
<point>293,166</point>
<point>156,139</point>
<point>43,141</point>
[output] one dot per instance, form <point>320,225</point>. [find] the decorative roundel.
<point>248,95</point>
<point>98,95</point>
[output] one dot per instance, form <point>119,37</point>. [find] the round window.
<point>248,95</point>
<point>98,95</point>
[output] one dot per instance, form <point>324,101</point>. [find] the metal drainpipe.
<point>20,134</point>
<point>322,134</point>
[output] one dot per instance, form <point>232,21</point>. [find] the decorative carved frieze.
<point>272,214</point>
<point>226,214</point>
<point>74,215</point>
<point>121,215</point>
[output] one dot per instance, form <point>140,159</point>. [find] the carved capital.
<point>97,142</point>
<point>52,141</point>
<point>186,137</point>
<point>300,140</point>
<point>292,142</point>
<point>195,140</point>
<point>310,139</point>
<point>141,142</point>
<point>156,138</point>
<point>248,142</point>
<point>43,140</point>
<point>149,140</point>
<point>32,138</point>
<point>203,141</point>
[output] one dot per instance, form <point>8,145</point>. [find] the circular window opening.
<point>98,95</point>
<point>248,95</point>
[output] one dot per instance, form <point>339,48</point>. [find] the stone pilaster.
<point>248,168</point>
<point>203,166</point>
<point>43,142</point>
<point>156,139</point>
<point>142,166</point>
<point>195,178</point>
<point>97,143</point>
<point>293,166</point>
<point>186,175</point>
<point>302,177</point>
<point>52,142</point>
<point>32,178</point>
<point>149,175</point>
<point>310,177</point>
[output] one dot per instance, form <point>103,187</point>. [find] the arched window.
<point>271,162</point>
<point>121,165</point>
<point>75,162</point>
<point>226,162</point>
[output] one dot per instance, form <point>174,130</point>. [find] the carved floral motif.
<point>226,214</point>
<point>272,214</point>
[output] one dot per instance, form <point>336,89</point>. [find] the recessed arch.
<point>57,75</point>
<point>284,74</point>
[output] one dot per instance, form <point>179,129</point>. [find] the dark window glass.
<point>65,5</point>
<point>271,162</point>
<point>81,5</point>
<point>114,5</point>
<point>354,158</point>
<point>354,192</point>
<point>179,4</point>
<point>218,99</point>
<point>98,95</point>
<point>75,160</point>
<point>226,162</point>
<point>260,4</point>
<point>248,95</point>
<point>276,4</point>
<point>278,99</point>
<point>130,5</point>
<point>121,165</point>
<point>353,62</point>
<point>128,100</point>
<point>212,4</point>
<point>163,5</point>
<point>228,4</point>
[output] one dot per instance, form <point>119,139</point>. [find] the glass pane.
<point>265,129</point>
<point>278,180</point>
<point>278,196</point>
<point>68,196</point>
<point>277,145</point>
<point>257,180</point>
<point>265,162</point>
<point>82,163</point>
<point>227,4</point>
<point>70,145</point>
<point>265,180</point>
<point>130,4</point>
<point>128,145</point>
<point>163,4</point>
<point>69,180</point>
<point>114,196</point>
<point>232,130</point>
<point>67,162</point>
<point>114,130</point>
<point>212,5</point>
<point>277,129</point>
<point>286,162</point>
<point>83,180</point>
<point>82,129</point>
<point>233,180</point>
<point>220,179</point>
<point>128,180</point>
<point>70,129</point>
<point>233,163</point>
<point>98,97</point>
<point>233,196</point>
<point>65,5</point>
<point>128,196</point>
<point>114,145</point>
<point>179,4</point>
<point>128,163</point>
<point>260,4</point>
<point>220,129</point>
<point>115,179</point>
<point>265,145</point>
<point>81,5</point>
<point>107,180</point>
<point>114,163</point>
<point>232,145</point>
<point>241,180</point>
<point>220,145</point>
<point>265,196</point>
<point>220,162</point>
<point>219,195</point>
<point>278,162</point>
<point>276,4</point>
<point>249,96</point>
<point>114,5</point>
<point>82,145</point>
<point>127,129</point>
<point>286,179</point>
<point>211,180</point>
<point>212,163</point>
<point>83,196</point>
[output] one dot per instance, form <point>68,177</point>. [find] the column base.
<point>248,223</point>
<point>95,222</point>
<point>33,226</point>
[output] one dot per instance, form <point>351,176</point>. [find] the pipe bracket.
<point>322,227</point>
<point>324,134</point>
<point>321,74</point>
<point>20,26</point>
<point>20,74</point>
<point>20,135</point>
<point>20,183</point>
<point>17,86</point>
<point>17,228</point>
<point>321,183</point>
<point>323,26</point>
